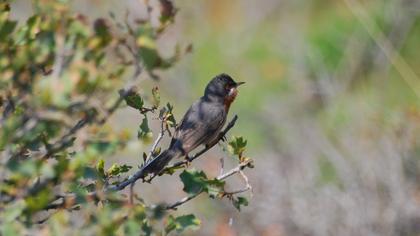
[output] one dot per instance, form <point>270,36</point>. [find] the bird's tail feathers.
<point>158,163</point>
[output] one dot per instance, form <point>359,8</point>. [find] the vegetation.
<point>63,75</point>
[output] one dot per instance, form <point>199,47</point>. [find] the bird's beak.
<point>239,83</point>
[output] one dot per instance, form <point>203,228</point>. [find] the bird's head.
<point>222,88</point>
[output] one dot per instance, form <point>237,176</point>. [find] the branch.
<point>149,156</point>
<point>247,186</point>
<point>68,199</point>
<point>157,141</point>
<point>237,169</point>
<point>198,154</point>
<point>141,172</point>
<point>67,138</point>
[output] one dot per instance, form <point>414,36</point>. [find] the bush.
<point>62,75</point>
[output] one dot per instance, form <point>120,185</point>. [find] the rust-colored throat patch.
<point>230,98</point>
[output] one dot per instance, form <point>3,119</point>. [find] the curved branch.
<point>68,199</point>
<point>141,174</point>
<point>237,169</point>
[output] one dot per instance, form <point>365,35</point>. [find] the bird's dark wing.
<point>200,125</point>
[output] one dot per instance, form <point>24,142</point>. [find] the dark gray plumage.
<point>202,122</point>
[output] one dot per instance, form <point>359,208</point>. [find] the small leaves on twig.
<point>239,201</point>
<point>156,97</point>
<point>144,133</point>
<point>134,100</point>
<point>182,223</point>
<point>100,168</point>
<point>116,170</point>
<point>196,181</point>
<point>167,116</point>
<point>237,145</point>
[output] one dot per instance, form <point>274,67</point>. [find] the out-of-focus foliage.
<point>64,74</point>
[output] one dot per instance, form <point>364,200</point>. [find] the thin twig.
<point>246,188</point>
<point>141,172</point>
<point>157,141</point>
<point>221,136</point>
<point>152,150</point>
<point>222,165</point>
<point>67,138</point>
<point>231,172</point>
<point>248,185</point>
<point>132,193</point>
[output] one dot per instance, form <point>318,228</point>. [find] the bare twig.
<point>152,150</point>
<point>182,201</point>
<point>222,165</point>
<point>157,141</point>
<point>132,193</point>
<point>67,138</point>
<point>136,60</point>
<point>246,188</point>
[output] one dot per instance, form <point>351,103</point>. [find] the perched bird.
<point>202,122</point>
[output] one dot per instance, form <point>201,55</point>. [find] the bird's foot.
<point>188,161</point>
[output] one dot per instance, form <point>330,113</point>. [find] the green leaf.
<point>172,169</point>
<point>159,211</point>
<point>134,100</point>
<point>100,168</point>
<point>182,223</point>
<point>157,151</point>
<point>38,201</point>
<point>116,170</point>
<point>156,97</point>
<point>167,115</point>
<point>7,28</point>
<point>215,187</point>
<point>144,133</point>
<point>103,146</point>
<point>237,145</point>
<point>196,181</point>
<point>149,53</point>
<point>239,201</point>
<point>13,211</point>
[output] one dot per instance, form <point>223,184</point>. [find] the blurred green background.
<point>330,110</point>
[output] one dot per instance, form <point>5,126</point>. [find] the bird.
<point>201,124</point>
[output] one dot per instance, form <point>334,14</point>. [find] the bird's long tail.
<point>158,163</point>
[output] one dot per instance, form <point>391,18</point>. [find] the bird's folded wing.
<point>200,125</point>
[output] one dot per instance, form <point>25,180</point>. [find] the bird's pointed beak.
<point>239,83</point>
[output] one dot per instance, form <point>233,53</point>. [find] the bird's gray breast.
<point>200,125</point>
